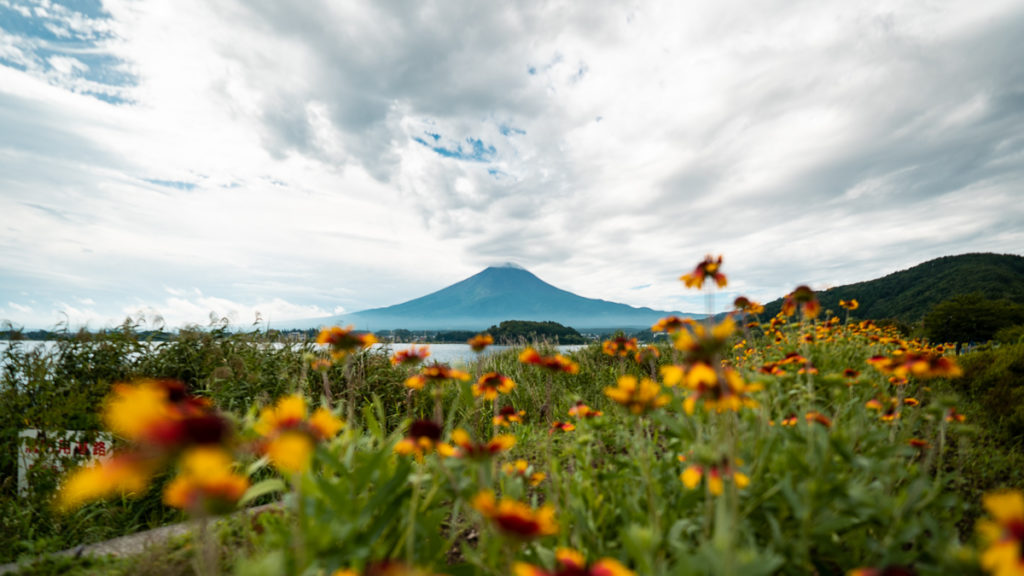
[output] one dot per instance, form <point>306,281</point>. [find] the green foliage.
<point>517,331</point>
<point>909,294</point>
<point>971,318</point>
<point>1010,334</point>
<point>993,379</point>
<point>824,496</point>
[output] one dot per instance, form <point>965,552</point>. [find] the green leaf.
<point>268,486</point>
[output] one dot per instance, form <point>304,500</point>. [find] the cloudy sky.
<point>175,158</point>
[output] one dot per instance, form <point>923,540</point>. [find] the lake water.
<point>461,353</point>
<point>454,354</point>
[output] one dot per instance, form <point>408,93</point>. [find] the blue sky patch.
<point>63,43</point>
<point>477,151</point>
<point>177,185</point>
<point>508,130</point>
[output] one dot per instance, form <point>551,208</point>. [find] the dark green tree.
<point>971,318</point>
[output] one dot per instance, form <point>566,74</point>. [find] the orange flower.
<point>804,299</point>
<point>747,305</point>
<point>508,415</point>
<point>671,324</point>
<point>466,448</point>
<point>850,304</point>
<point>289,436</point>
<point>522,469</point>
<point>619,346</point>
<point>411,356</point>
<point>953,416</point>
<point>922,364</point>
<point>491,384</point>
<point>481,341</point>
<point>717,475</point>
<point>581,410</point>
<point>206,482</point>
<point>435,373</point>
<point>321,364</point>
<point>342,341</point>
<point>556,363</point>
<point>572,563</point>
<point>708,268</point>
<point>563,426</point>
<point>516,518</point>
<point>818,417</point>
<point>639,397</point>
<point>423,437</point>
<point>647,354</point>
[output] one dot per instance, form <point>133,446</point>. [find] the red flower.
<point>709,268</point>
<point>804,299</point>
<point>556,363</point>
<point>619,346</point>
<point>410,356</point>
<point>671,324</point>
<point>480,341</point>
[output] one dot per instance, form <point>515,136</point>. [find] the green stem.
<point>410,532</point>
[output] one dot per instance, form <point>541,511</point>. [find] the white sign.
<point>56,449</point>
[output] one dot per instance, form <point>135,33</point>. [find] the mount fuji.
<point>498,293</point>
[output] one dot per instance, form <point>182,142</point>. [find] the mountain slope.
<point>500,293</point>
<point>909,294</point>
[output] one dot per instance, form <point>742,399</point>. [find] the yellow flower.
<point>718,391</point>
<point>716,476</point>
<point>1003,533</point>
<point>290,451</point>
<point>121,475</point>
<point>491,384</point>
<point>466,448</point>
<point>290,437</point>
<point>691,476</point>
<point>639,396</point>
<point>132,410</point>
<point>206,482</point>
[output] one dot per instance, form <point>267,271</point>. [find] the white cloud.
<point>20,308</point>
<point>300,158</point>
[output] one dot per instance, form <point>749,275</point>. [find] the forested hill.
<point>909,294</point>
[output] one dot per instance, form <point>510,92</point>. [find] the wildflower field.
<point>807,443</point>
